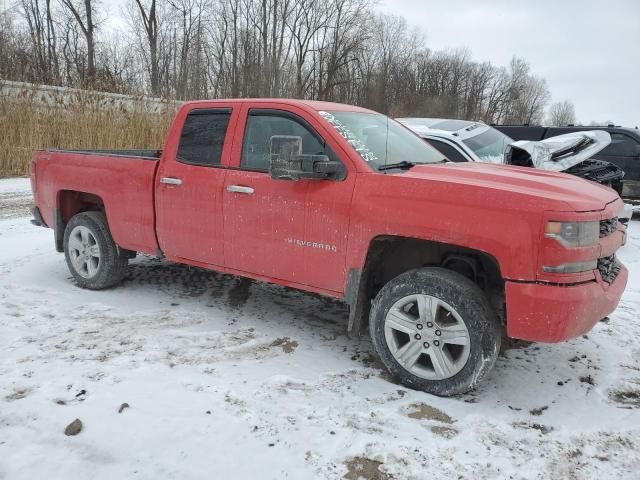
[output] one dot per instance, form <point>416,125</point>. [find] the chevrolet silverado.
<point>438,259</point>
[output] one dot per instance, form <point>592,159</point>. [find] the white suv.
<point>461,140</point>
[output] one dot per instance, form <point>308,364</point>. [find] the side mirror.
<point>286,162</point>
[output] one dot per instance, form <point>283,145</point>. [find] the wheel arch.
<point>389,256</point>
<point>68,204</point>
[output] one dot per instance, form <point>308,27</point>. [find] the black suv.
<point>624,150</point>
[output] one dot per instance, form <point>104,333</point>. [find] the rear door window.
<point>203,137</point>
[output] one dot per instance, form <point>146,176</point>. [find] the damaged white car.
<point>558,153</point>
<point>466,141</point>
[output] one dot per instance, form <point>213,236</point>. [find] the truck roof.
<point>312,104</point>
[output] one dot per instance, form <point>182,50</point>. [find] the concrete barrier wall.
<point>60,97</point>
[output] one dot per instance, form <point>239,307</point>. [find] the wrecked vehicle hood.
<point>557,153</point>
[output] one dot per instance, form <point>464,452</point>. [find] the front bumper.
<point>553,313</point>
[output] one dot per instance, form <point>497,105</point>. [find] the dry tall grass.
<point>27,125</point>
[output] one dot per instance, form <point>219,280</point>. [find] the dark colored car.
<point>623,151</point>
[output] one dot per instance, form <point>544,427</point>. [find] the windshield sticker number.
<point>366,154</point>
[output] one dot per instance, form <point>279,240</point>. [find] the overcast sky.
<point>588,50</point>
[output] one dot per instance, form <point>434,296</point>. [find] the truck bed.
<point>122,180</point>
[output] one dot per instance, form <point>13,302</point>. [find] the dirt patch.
<point>574,453</point>
<point>15,204</point>
<point>513,344</point>
<point>288,345</point>
<point>627,398</point>
<point>17,394</point>
<point>422,411</point>
<point>538,411</point>
<point>234,400</point>
<point>367,358</point>
<point>361,467</point>
<point>442,431</point>
<point>544,429</point>
<point>587,379</point>
<point>239,293</point>
<point>178,281</point>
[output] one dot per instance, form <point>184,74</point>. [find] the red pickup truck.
<point>439,259</point>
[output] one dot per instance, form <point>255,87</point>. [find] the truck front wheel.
<point>435,331</point>
<point>93,258</point>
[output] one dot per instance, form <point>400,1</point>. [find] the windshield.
<point>489,145</point>
<point>381,141</point>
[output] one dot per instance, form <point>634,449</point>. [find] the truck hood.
<point>548,190</point>
<point>557,153</point>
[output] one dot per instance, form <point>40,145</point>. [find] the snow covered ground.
<point>226,377</point>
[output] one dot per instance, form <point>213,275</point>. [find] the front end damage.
<point>558,153</point>
<point>601,172</point>
<point>570,153</point>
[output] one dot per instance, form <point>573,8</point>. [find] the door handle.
<point>171,181</point>
<point>240,189</point>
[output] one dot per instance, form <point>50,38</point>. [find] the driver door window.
<point>257,139</point>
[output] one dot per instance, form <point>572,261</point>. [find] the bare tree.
<point>345,34</point>
<point>188,62</point>
<point>528,94</point>
<point>338,50</point>
<point>148,15</point>
<point>562,114</point>
<point>39,21</point>
<point>307,19</point>
<point>83,11</point>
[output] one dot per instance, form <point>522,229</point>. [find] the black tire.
<point>471,305</point>
<point>112,265</point>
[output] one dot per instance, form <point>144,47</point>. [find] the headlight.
<point>574,234</point>
<point>572,267</point>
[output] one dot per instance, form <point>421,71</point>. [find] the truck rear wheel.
<point>435,331</point>
<point>93,258</point>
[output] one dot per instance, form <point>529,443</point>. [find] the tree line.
<point>335,50</point>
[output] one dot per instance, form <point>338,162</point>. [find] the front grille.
<point>607,227</point>
<point>609,268</point>
<point>597,171</point>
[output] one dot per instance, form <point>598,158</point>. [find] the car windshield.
<point>489,145</point>
<point>381,141</point>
